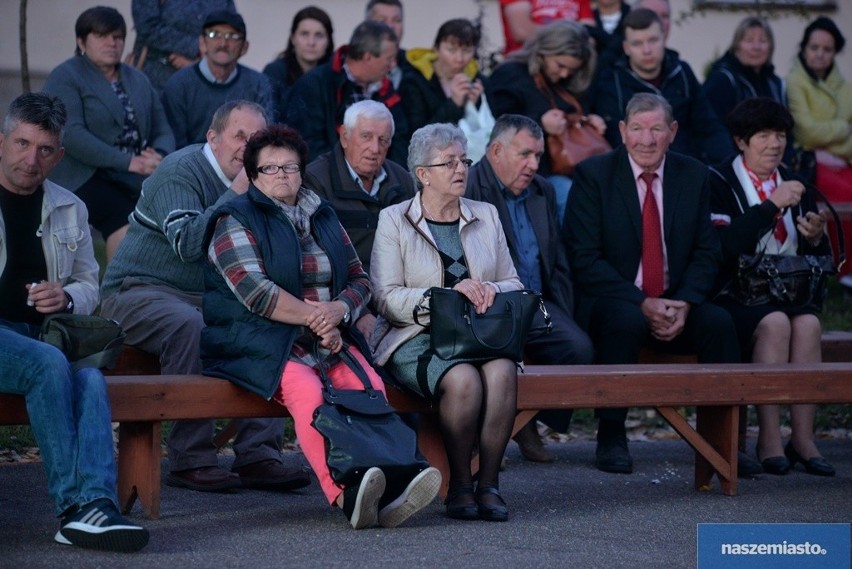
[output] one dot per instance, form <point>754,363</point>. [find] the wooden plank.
<point>557,387</point>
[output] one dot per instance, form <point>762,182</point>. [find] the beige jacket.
<point>822,111</point>
<point>405,263</point>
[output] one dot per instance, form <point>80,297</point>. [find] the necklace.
<point>432,217</point>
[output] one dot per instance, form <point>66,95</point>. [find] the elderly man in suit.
<point>506,178</point>
<point>644,257</point>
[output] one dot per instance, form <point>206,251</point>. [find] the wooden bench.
<point>140,403</point>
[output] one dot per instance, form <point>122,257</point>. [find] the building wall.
<point>50,28</point>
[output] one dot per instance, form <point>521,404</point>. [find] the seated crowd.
<point>181,160</point>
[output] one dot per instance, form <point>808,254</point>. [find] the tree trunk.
<point>25,65</point>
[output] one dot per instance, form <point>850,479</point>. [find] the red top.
<point>545,11</point>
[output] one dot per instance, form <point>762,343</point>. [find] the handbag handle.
<point>470,319</point>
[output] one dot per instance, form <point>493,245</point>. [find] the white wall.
<point>51,30</point>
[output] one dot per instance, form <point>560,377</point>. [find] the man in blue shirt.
<point>506,177</point>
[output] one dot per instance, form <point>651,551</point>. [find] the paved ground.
<point>564,514</point>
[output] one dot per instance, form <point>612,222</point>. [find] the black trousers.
<point>567,344</point>
<point>619,331</point>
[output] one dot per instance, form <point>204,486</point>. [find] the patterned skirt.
<point>416,367</point>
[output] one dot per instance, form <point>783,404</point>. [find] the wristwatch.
<point>70,306</point>
<point>346,316</point>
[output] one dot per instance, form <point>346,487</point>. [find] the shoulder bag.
<point>580,140</point>
<point>787,280</point>
<point>458,332</point>
<point>86,340</point>
<point>361,430</point>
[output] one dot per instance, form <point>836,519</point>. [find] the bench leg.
<point>139,452</point>
<point>714,442</point>
<point>720,427</point>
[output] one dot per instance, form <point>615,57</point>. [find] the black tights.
<point>477,403</point>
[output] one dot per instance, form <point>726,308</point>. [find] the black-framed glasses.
<point>452,163</point>
<point>272,169</point>
<point>229,36</point>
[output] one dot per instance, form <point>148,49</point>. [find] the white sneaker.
<point>417,495</point>
<point>361,504</point>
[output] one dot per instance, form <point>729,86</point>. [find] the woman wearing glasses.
<point>439,239</point>
<point>117,131</point>
<point>284,286</point>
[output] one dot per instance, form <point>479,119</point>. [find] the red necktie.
<point>763,193</point>
<point>652,241</point>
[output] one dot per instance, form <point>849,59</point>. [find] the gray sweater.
<point>165,242</point>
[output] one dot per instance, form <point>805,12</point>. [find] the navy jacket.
<point>321,96</point>
<point>249,349</point>
<point>700,133</point>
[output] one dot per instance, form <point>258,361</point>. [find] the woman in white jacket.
<point>439,239</point>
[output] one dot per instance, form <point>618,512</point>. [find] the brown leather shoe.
<point>530,444</point>
<point>272,474</point>
<point>204,479</point>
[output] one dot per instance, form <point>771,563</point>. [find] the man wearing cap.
<point>193,94</point>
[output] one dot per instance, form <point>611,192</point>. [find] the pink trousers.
<point>301,392</point>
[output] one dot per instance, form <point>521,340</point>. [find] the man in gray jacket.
<point>154,285</point>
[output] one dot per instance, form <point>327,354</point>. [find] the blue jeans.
<point>561,186</point>
<point>70,417</point>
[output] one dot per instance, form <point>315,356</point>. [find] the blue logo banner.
<point>776,546</point>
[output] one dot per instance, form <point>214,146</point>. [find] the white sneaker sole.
<point>419,493</point>
<point>365,512</point>
<point>126,539</point>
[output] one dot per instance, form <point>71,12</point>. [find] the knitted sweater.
<point>190,100</point>
<point>165,242</point>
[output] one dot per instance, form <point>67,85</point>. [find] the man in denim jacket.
<point>47,266</point>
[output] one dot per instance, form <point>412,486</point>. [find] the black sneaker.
<point>361,502</point>
<point>98,525</point>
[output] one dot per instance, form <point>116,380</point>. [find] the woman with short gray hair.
<point>440,239</point>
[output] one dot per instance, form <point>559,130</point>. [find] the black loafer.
<point>817,466</point>
<point>747,467</point>
<point>461,504</point>
<point>777,465</point>
<point>612,455</point>
<point>493,512</point>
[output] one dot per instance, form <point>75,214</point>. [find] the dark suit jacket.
<point>482,185</point>
<point>604,231</point>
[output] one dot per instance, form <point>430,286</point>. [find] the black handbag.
<point>458,332</point>
<point>361,430</point>
<point>86,340</point>
<point>787,280</point>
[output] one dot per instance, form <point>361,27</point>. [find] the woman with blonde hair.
<point>558,58</point>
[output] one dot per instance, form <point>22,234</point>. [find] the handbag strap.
<point>564,94</point>
<point>838,226</point>
<point>350,361</point>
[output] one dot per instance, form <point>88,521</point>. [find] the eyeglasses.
<point>229,36</point>
<point>452,163</point>
<point>272,169</point>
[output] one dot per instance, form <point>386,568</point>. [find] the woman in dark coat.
<point>117,131</point>
<point>757,206</point>
<point>310,44</point>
